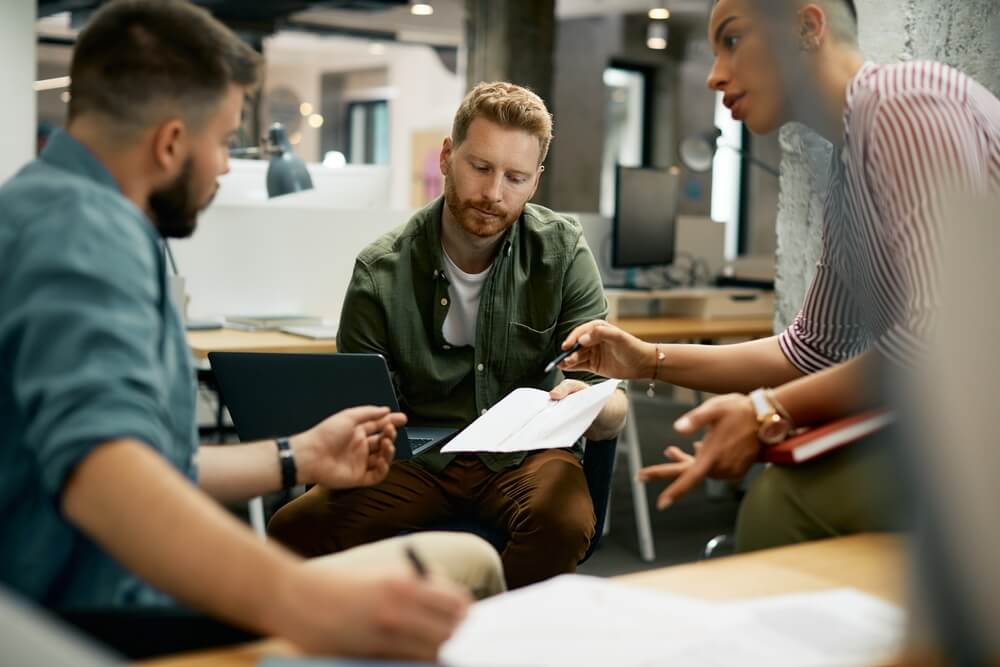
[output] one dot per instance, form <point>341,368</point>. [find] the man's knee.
<point>772,514</point>
<point>297,524</point>
<point>466,559</point>
<point>560,506</point>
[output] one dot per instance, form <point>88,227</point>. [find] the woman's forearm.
<point>721,369</point>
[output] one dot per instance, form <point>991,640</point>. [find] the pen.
<point>414,559</point>
<point>562,356</point>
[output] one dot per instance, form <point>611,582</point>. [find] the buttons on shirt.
<point>446,347</point>
<point>444,302</point>
<point>435,273</point>
<point>483,411</point>
<point>480,368</point>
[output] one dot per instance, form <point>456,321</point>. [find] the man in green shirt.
<point>467,302</point>
<point>105,496</point>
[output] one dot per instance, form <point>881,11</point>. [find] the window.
<point>625,134</point>
<point>368,132</point>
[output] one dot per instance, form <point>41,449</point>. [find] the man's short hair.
<point>141,61</point>
<point>507,105</point>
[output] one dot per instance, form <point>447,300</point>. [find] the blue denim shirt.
<point>91,349</point>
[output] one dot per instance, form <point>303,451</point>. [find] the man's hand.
<point>611,419</point>
<point>607,350</point>
<point>727,451</point>
<point>378,616</point>
<point>352,448</point>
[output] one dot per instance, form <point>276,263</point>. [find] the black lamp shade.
<point>286,173</point>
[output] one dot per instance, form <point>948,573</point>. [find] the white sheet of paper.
<point>582,621</point>
<point>527,419</point>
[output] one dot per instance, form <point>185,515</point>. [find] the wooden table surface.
<point>232,340</point>
<point>873,563</point>
<point>668,329</point>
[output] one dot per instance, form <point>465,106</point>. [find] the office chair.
<point>598,468</point>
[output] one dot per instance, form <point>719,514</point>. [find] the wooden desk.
<point>231,340</point>
<point>659,329</point>
<point>872,563</point>
<point>667,329</point>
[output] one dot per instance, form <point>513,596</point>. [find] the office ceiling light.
<point>656,35</point>
<point>659,12</point>
<point>421,9</point>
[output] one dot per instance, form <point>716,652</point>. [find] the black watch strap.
<point>289,475</point>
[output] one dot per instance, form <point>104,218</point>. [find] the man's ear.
<point>168,145</point>
<point>538,179</point>
<point>445,158</point>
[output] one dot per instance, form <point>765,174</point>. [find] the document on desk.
<point>527,419</point>
<point>580,621</point>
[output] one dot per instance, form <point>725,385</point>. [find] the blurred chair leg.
<point>607,517</point>
<point>645,530</point>
<point>256,508</point>
<point>720,545</point>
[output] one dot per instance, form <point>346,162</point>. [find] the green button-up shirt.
<point>543,283</point>
<point>91,349</point>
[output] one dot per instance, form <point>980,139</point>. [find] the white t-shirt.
<point>464,290</point>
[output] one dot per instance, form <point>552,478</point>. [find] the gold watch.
<point>773,426</point>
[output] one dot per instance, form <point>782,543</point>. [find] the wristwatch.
<point>773,424</point>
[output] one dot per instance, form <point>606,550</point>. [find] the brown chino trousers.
<point>543,505</point>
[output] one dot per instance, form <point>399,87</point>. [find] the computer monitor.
<point>643,228</point>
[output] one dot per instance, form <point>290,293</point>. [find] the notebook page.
<point>492,430</point>
<point>563,422</point>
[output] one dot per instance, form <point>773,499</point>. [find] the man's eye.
<point>731,41</point>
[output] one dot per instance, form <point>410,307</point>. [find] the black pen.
<point>414,559</point>
<point>562,356</point>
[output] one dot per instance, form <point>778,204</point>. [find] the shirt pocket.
<point>529,350</point>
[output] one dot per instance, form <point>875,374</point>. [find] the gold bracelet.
<point>651,392</point>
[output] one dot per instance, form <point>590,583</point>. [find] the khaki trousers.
<point>543,506</point>
<point>852,490</point>
<point>467,560</point>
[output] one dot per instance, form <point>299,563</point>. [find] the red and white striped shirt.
<point>916,134</point>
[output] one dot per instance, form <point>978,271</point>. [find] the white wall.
<point>276,257</point>
<point>290,254</point>
<point>17,71</point>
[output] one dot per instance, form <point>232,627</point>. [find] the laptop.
<point>277,394</point>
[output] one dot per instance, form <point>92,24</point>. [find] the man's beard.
<point>174,208</point>
<point>472,222</point>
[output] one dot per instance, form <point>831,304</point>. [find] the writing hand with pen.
<point>401,614</point>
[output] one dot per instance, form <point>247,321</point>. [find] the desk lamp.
<point>698,151</point>
<point>286,173</point>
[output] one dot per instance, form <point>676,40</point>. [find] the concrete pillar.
<point>961,33</point>
<point>511,40</point>
<point>17,71</point>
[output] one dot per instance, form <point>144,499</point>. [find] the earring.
<point>809,43</point>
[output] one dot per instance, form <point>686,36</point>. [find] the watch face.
<point>773,431</point>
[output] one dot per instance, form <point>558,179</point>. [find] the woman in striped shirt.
<point>906,138</point>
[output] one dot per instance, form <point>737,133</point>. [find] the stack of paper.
<point>528,419</point>
<point>578,621</point>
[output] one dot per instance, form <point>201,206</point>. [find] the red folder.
<point>821,440</point>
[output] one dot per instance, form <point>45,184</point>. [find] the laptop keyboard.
<point>420,442</point>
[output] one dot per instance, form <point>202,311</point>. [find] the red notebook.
<point>824,439</point>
